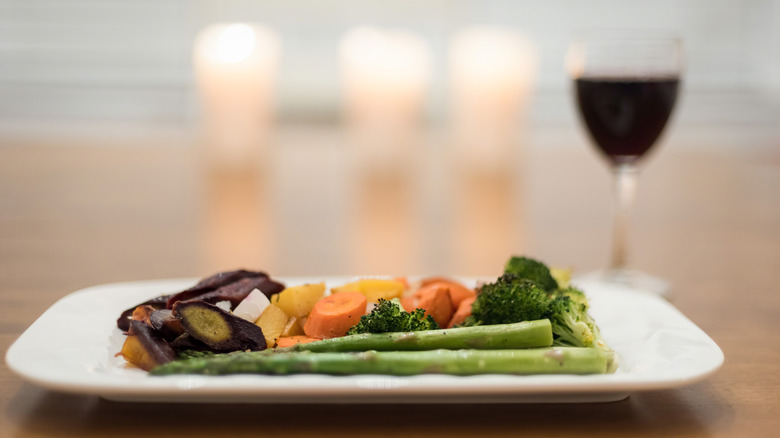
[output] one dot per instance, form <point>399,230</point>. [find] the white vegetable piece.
<point>252,306</point>
<point>224,305</point>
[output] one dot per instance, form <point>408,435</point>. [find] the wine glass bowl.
<point>625,116</point>
<point>625,86</point>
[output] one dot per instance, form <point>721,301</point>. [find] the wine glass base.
<point>628,278</point>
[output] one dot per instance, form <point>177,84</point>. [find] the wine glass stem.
<point>625,179</point>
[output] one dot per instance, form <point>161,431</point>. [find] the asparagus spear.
<point>555,360</point>
<point>528,334</point>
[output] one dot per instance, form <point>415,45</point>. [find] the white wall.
<point>130,59</point>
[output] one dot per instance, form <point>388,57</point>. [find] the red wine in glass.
<point>625,115</point>
<point>625,86</point>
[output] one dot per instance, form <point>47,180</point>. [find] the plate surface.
<point>71,348</point>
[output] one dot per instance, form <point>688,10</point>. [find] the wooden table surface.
<point>707,220</point>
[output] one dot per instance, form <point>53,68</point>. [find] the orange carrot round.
<point>333,315</point>
<point>436,302</point>
<point>463,312</point>
<point>409,302</point>
<point>458,292</point>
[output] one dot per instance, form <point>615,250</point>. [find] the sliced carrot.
<point>436,302</point>
<point>428,280</point>
<point>409,302</point>
<point>333,315</point>
<point>289,341</point>
<point>458,292</point>
<point>463,312</point>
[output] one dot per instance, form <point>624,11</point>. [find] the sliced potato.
<point>374,288</point>
<point>273,320</point>
<point>293,327</point>
<point>298,301</point>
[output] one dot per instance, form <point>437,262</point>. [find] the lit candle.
<point>492,71</point>
<point>385,75</point>
<point>235,68</point>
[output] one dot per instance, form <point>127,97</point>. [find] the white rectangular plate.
<point>71,348</point>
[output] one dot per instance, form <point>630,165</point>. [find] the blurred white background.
<point>79,62</point>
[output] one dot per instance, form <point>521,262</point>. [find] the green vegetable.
<point>572,324</point>
<point>189,354</point>
<point>512,299</point>
<point>527,334</point>
<point>533,270</point>
<point>388,316</point>
<point>560,360</point>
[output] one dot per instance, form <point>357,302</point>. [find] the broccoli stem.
<point>527,334</point>
<point>555,360</point>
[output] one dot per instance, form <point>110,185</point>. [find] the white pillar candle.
<point>385,75</point>
<point>235,68</point>
<point>492,71</point>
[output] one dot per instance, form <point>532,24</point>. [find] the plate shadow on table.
<point>658,413</point>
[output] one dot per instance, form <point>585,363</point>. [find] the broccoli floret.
<point>580,307</point>
<point>572,325</point>
<point>516,298</point>
<point>510,299</point>
<point>388,316</point>
<point>569,319</point>
<point>575,295</point>
<point>533,270</point>
<point>513,299</point>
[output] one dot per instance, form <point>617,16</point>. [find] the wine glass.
<point>625,85</point>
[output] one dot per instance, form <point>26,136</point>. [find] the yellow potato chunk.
<point>373,288</point>
<point>272,321</point>
<point>298,301</point>
<point>134,352</point>
<point>293,327</point>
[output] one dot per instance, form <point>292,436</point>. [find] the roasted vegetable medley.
<point>528,321</point>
